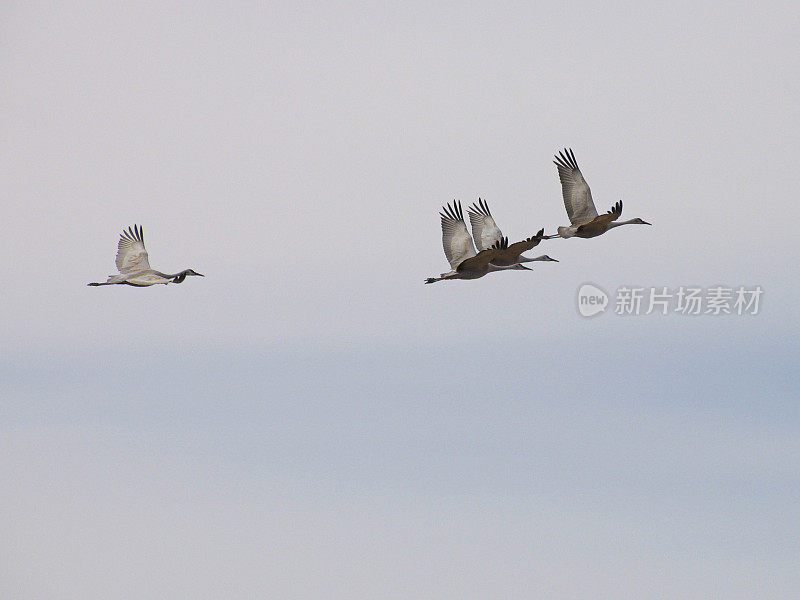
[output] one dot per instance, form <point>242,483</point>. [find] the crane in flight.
<point>583,217</point>
<point>487,234</point>
<point>465,261</point>
<point>134,266</point>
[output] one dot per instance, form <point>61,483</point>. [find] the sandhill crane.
<point>585,222</point>
<point>134,267</point>
<point>487,234</point>
<point>466,263</point>
<point>509,255</point>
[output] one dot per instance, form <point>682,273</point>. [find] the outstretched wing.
<point>131,254</point>
<point>612,215</point>
<point>517,248</point>
<point>484,229</point>
<point>480,262</point>
<point>456,240</point>
<point>574,189</point>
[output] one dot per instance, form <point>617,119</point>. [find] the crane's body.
<point>583,217</point>
<point>488,235</point>
<point>495,254</point>
<point>134,265</point>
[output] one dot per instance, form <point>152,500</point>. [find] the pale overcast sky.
<point>310,420</point>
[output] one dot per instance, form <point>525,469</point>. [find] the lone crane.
<point>134,267</point>
<point>585,222</point>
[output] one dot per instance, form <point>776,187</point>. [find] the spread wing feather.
<point>517,248</point>
<point>480,262</point>
<point>577,195</point>
<point>612,215</point>
<point>456,240</point>
<point>484,228</point>
<point>131,253</point>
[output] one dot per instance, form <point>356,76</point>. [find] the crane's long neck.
<point>613,224</point>
<point>492,267</point>
<point>523,258</point>
<point>175,277</point>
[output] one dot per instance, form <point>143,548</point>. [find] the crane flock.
<point>493,250</point>
<point>471,255</point>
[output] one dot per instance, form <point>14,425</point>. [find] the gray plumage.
<point>488,235</point>
<point>583,217</point>
<point>465,261</point>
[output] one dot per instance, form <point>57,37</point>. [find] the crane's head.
<point>184,274</point>
<point>544,257</point>
<point>638,221</point>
